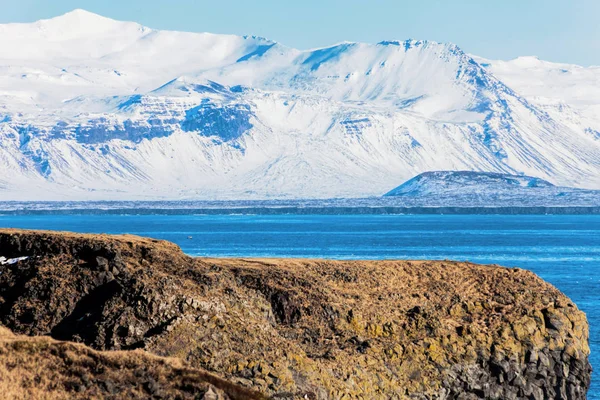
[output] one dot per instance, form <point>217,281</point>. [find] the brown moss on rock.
<point>304,328</point>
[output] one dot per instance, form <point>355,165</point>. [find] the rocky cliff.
<point>303,328</point>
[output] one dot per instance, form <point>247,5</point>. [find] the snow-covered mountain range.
<point>92,108</point>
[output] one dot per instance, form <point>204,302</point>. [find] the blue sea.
<point>562,249</point>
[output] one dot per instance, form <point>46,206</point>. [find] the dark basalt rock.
<point>303,328</point>
<point>227,122</point>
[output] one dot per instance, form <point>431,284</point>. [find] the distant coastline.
<point>172,209</point>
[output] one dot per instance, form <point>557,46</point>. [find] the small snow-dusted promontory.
<point>462,182</point>
<point>489,189</point>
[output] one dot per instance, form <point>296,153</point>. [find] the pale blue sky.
<point>555,30</point>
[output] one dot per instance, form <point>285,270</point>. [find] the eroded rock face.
<point>304,328</point>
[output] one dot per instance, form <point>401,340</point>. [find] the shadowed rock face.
<point>303,328</point>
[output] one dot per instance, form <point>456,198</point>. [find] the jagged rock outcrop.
<point>303,328</point>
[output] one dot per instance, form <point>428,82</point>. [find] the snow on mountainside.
<point>567,92</point>
<point>92,108</point>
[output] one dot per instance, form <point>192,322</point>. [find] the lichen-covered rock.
<point>304,328</point>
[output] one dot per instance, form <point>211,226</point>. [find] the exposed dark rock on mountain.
<point>303,328</point>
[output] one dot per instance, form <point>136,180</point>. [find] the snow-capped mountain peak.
<point>79,23</point>
<point>75,35</point>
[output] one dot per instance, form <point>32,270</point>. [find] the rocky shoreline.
<point>314,329</point>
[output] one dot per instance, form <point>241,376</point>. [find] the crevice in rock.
<point>83,322</point>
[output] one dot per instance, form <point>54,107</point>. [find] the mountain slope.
<point>92,108</point>
<point>565,91</point>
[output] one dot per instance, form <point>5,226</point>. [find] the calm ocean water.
<point>564,250</point>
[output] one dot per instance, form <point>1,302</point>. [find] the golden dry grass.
<point>46,369</point>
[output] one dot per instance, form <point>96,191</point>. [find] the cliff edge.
<point>302,328</point>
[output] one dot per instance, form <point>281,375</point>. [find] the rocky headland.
<point>315,329</point>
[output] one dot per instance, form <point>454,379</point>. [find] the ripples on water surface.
<point>564,250</point>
